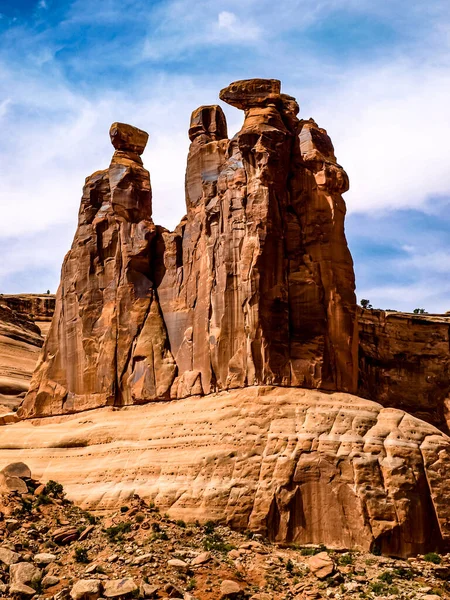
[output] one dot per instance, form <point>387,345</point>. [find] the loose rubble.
<point>58,551</point>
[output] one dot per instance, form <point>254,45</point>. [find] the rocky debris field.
<point>51,549</point>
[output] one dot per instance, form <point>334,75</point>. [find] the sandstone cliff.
<point>404,362</point>
<point>297,465</point>
<point>255,286</point>
<point>20,343</point>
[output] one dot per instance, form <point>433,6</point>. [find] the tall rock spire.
<point>255,286</point>
<point>107,343</point>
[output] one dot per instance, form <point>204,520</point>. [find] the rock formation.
<point>297,465</point>
<point>20,344</point>
<point>255,286</point>
<point>107,343</point>
<point>404,362</point>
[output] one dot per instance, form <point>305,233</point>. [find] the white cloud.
<point>234,29</point>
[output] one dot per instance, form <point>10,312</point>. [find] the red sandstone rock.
<point>255,286</point>
<point>107,343</point>
<point>404,362</point>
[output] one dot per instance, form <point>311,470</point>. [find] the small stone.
<point>86,532</point>
<point>91,569</point>
<point>50,581</point>
<point>173,591</point>
<point>44,558</point>
<point>321,565</point>
<point>20,589</point>
<point>201,559</point>
<point>112,558</point>
<point>148,591</point>
<point>25,573</point>
<point>39,490</point>
<point>119,587</point>
<point>143,559</point>
<point>176,563</point>
<point>86,589</point>
<point>12,524</point>
<point>8,557</point>
<point>229,589</point>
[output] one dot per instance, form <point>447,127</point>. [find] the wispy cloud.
<point>376,75</point>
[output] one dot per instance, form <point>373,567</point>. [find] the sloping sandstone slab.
<point>298,465</point>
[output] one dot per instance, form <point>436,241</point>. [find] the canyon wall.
<point>404,362</point>
<point>255,286</point>
<point>20,344</point>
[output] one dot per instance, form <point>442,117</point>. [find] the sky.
<point>375,75</point>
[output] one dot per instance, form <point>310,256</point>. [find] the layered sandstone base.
<point>298,465</point>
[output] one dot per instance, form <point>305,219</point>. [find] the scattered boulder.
<point>8,557</point>
<point>321,565</point>
<point>21,590</point>
<point>116,588</point>
<point>148,591</point>
<point>178,564</point>
<point>229,589</point>
<point>201,559</point>
<point>86,589</point>
<point>44,559</point>
<point>50,581</point>
<point>25,573</point>
<point>18,469</point>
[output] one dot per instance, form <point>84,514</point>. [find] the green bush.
<point>181,523</point>
<point>312,551</point>
<point>116,532</point>
<point>214,541</point>
<point>346,559</point>
<point>432,557</point>
<point>378,587</point>
<point>81,555</point>
<point>209,527</point>
<point>386,576</point>
<point>55,489</point>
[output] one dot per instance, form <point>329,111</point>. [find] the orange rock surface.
<point>298,465</point>
<point>255,286</point>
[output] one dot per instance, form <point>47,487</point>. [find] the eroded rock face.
<point>259,285</point>
<point>255,286</point>
<point>297,465</point>
<point>107,342</point>
<point>20,343</point>
<point>404,362</point>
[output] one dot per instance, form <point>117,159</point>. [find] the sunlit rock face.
<point>255,286</point>
<point>296,465</point>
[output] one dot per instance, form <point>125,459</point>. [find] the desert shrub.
<point>289,566</point>
<point>386,576</point>
<point>140,517</point>
<point>209,527</point>
<point>116,532</point>
<point>432,557</point>
<point>181,523</point>
<point>214,541</point>
<point>312,551</point>
<point>54,489</point>
<point>192,584</point>
<point>81,555</point>
<point>346,559</point>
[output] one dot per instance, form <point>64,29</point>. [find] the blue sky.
<point>376,75</point>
